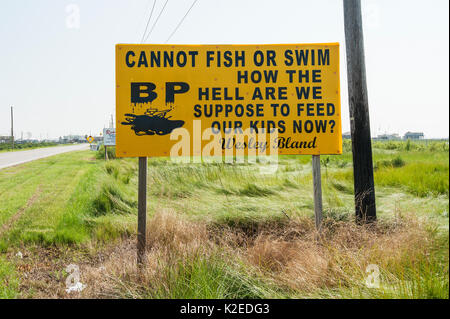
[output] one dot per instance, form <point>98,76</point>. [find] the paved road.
<point>13,158</point>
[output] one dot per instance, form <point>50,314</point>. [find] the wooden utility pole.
<point>12,128</point>
<point>317,182</point>
<point>359,113</point>
<point>142,212</point>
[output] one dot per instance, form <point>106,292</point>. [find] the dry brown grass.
<point>170,239</point>
<point>338,256</point>
<point>291,254</point>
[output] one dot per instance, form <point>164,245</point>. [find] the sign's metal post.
<point>106,152</point>
<point>142,212</point>
<point>359,113</point>
<point>317,181</point>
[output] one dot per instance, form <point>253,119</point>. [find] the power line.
<point>179,24</point>
<point>148,21</point>
<point>157,19</point>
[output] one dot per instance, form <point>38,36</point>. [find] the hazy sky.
<point>60,76</point>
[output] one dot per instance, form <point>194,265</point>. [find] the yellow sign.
<point>90,139</point>
<point>191,99</point>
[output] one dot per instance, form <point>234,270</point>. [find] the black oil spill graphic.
<point>152,122</point>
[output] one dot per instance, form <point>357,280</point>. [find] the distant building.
<point>5,139</point>
<point>50,140</point>
<point>25,141</point>
<point>72,139</point>
<point>388,137</point>
<point>347,136</point>
<point>413,136</point>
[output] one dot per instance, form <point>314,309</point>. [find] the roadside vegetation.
<point>226,230</point>
<point>7,147</point>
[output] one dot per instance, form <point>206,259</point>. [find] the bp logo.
<point>154,121</point>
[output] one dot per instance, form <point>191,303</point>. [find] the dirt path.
<point>7,226</point>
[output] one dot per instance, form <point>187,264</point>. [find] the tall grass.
<point>111,152</point>
<point>420,179</point>
<point>227,231</point>
<point>192,260</point>
<point>21,146</point>
<point>419,146</point>
<point>91,202</point>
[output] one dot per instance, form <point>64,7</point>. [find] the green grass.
<point>78,199</point>
<point>420,179</point>
<point>423,277</point>
<point>9,283</point>
<point>421,175</point>
<point>7,147</point>
<point>111,151</point>
<point>61,199</point>
<point>209,277</point>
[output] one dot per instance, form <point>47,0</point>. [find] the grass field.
<point>7,147</point>
<point>226,230</point>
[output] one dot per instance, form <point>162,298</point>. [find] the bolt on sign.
<point>195,99</point>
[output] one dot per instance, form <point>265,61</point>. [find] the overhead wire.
<point>181,21</point>
<point>156,21</point>
<point>148,21</point>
